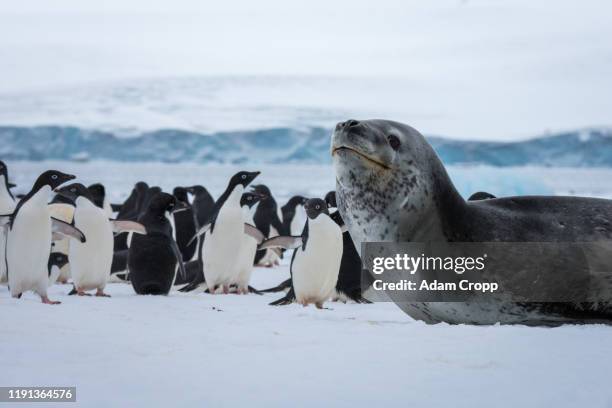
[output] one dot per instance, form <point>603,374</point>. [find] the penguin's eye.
<point>394,142</point>
<point>243,176</point>
<point>318,207</point>
<point>54,177</point>
<point>73,190</point>
<point>249,198</point>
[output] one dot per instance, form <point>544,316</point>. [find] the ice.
<point>229,350</point>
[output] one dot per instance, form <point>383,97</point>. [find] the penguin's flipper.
<point>286,242</point>
<point>120,226</point>
<point>252,231</point>
<point>282,286</point>
<point>201,231</point>
<point>179,258</point>
<point>287,300</point>
<point>66,229</point>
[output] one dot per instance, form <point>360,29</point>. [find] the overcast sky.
<point>522,66</point>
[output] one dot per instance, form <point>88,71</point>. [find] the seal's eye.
<point>394,142</point>
<point>54,177</point>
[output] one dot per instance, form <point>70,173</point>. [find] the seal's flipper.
<point>282,286</point>
<point>252,231</point>
<point>287,300</point>
<point>201,231</point>
<point>61,227</point>
<point>286,242</point>
<point>120,226</point>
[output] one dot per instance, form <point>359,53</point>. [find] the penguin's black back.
<point>202,207</point>
<point>151,261</point>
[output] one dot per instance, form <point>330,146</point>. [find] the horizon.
<point>437,67</point>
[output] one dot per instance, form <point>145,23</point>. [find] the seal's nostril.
<point>351,123</point>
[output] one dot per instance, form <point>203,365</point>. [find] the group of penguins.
<point>155,240</point>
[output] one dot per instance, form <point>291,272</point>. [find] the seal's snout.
<point>349,124</point>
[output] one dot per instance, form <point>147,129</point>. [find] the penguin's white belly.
<point>245,260</point>
<point>315,271</point>
<point>3,277</point>
<point>221,246</point>
<point>91,261</point>
<point>297,223</point>
<point>28,249</point>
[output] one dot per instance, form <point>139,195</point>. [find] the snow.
<point>230,350</point>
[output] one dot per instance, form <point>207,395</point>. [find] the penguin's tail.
<point>73,291</point>
<point>282,286</point>
<point>253,290</point>
<point>356,296</point>
<point>287,300</point>
<point>193,286</point>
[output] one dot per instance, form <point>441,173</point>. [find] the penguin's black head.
<point>243,177</point>
<point>73,191</point>
<point>58,259</point>
<point>314,207</point>
<point>195,190</point>
<point>98,192</point>
<point>53,179</point>
<point>262,189</point>
<point>163,202</point>
<point>330,199</point>
<point>181,194</point>
<point>250,199</point>
<point>297,200</point>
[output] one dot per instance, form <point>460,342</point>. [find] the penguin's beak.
<point>11,185</point>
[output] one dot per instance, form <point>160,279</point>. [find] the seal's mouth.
<point>361,154</point>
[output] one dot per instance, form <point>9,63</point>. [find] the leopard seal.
<point>392,187</point>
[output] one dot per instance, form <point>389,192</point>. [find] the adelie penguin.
<point>244,264</point>
<point>30,228</point>
<point>154,259</point>
<point>7,206</point>
<point>91,260</point>
<point>268,222</point>
<point>316,259</point>
<point>223,235</point>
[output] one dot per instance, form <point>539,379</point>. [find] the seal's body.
<point>392,187</point>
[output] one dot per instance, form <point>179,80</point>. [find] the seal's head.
<point>386,176</point>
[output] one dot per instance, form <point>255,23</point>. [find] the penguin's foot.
<point>81,292</point>
<point>319,305</point>
<point>100,293</point>
<point>48,301</point>
<point>225,289</point>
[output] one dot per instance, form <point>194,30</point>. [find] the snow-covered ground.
<point>230,350</point>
